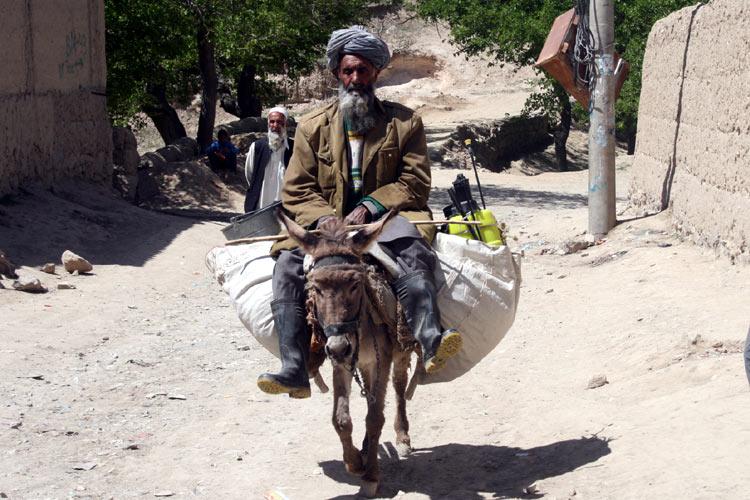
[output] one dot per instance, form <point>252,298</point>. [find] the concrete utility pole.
<point>602,216</point>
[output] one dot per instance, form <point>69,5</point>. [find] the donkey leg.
<point>375,420</point>
<point>342,420</point>
<point>401,423</point>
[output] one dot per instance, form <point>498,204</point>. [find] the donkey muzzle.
<point>337,343</point>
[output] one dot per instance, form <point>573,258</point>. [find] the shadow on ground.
<point>464,471</point>
<point>191,187</point>
<point>38,225</point>
<point>497,195</point>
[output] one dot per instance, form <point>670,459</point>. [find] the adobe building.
<point>693,146</point>
<point>53,115</point>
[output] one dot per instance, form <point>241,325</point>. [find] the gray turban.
<point>357,40</point>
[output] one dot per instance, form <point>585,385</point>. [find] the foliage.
<point>155,42</point>
<point>280,36</point>
<point>146,42</point>
<point>513,31</point>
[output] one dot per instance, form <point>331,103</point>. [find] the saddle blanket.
<point>478,292</point>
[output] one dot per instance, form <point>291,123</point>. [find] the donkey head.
<point>336,279</point>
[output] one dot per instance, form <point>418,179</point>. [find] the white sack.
<point>244,271</point>
<point>478,294</point>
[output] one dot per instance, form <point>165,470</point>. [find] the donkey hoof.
<point>355,469</point>
<point>403,450</point>
<point>369,489</point>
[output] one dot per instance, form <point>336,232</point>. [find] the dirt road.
<point>140,382</point>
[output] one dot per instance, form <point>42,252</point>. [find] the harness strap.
<point>341,328</point>
<point>335,260</point>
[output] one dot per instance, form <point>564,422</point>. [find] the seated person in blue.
<point>222,154</point>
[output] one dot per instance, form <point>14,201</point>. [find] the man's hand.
<point>322,220</point>
<point>359,215</point>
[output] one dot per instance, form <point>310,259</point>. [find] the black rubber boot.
<point>294,347</point>
<point>418,296</point>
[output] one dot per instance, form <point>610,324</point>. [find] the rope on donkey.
<point>375,286</point>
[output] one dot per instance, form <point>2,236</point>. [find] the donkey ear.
<point>305,239</point>
<point>365,236</point>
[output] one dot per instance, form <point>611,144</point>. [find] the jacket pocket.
<point>326,173</point>
<point>387,165</point>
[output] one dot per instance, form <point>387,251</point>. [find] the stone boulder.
<point>147,187</point>
<point>125,184</point>
<point>572,246</point>
<point>29,284</point>
<point>73,262</point>
<point>7,268</point>
<point>125,150</point>
<point>252,124</point>
<point>497,143</point>
<point>244,141</point>
<point>183,149</point>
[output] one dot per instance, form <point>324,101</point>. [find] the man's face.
<point>276,122</point>
<point>356,73</point>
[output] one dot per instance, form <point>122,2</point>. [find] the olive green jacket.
<point>395,167</point>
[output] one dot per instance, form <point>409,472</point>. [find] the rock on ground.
<point>597,381</point>
<point>7,268</point>
<point>73,262</point>
<point>29,284</point>
<point>125,150</point>
<point>572,246</point>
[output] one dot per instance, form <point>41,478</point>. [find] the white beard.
<point>275,141</point>
<point>356,109</point>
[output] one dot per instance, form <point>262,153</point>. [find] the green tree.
<point>511,31</point>
<point>288,37</point>
<point>150,62</point>
<point>184,45</point>
<point>514,31</point>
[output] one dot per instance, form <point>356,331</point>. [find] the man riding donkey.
<point>358,158</point>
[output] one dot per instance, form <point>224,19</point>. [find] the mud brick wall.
<point>53,116</point>
<point>693,143</point>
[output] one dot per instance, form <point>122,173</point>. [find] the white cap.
<point>279,109</point>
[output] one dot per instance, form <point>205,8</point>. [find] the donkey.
<point>341,304</point>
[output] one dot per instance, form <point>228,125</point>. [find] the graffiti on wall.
<point>76,52</point>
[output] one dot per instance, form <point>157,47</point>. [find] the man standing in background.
<point>266,162</point>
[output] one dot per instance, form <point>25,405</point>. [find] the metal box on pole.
<point>556,58</point>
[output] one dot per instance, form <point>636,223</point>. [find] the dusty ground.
<point>144,376</point>
<point>141,381</point>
